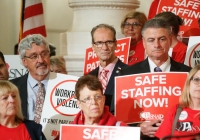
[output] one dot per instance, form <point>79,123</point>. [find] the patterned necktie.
<point>39,103</point>
<point>157,69</point>
<point>104,79</point>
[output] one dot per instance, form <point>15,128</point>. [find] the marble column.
<point>88,14</point>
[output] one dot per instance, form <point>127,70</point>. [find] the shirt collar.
<point>34,82</point>
<point>109,67</point>
<point>165,67</point>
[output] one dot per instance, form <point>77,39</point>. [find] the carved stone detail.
<point>107,5</point>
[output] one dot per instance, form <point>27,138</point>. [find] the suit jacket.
<point>109,92</point>
<point>21,83</point>
<point>34,130</point>
<point>143,67</point>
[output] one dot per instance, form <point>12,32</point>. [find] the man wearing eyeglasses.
<point>104,44</point>
<point>157,40</point>
<point>35,56</point>
<point>3,68</point>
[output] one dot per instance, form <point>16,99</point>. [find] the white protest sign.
<point>91,132</point>
<point>15,67</point>
<point>193,51</point>
<point>60,105</point>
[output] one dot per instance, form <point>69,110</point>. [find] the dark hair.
<point>92,83</point>
<point>173,20</point>
<point>2,57</point>
<point>156,23</point>
<point>103,26</point>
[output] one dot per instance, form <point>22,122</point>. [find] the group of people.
<point>150,44</point>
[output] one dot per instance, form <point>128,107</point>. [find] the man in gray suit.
<point>35,55</point>
<point>157,41</point>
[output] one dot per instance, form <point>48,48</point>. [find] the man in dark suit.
<point>35,55</point>
<point>104,44</point>
<point>157,41</point>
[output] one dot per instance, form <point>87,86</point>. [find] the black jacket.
<point>109,92</point>
<point>21,83</point>
<point>34,130</point>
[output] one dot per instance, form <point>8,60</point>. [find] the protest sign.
<point>193,52</point>
<point>90,132</point>
<point>91,60</point>
<point>60,105</point>
<point>147,96</point>
<point>15,66</point>
<point>188,10</point>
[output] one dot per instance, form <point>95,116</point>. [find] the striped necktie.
<point>104,79</point>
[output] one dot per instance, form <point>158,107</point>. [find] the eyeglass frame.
<point>196,80</point>
<point>88,100</point>
<point>106,43</point>
<point>46,55</point>
<point>134,25</point>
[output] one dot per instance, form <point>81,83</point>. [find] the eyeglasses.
<point>88,100</point>
<point>196,80</point>
<point>34,57</point>
<point>107,43</point>
<point>135,25</point>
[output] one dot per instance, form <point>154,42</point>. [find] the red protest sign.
<point>188,10</point>
<point>91,60</point>
<point>89,132</point>
<point>147,96</point>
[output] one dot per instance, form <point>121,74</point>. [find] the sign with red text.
<point>122,52</point>
<point>147,96</point>
<point>91,132</point>
<point>15,68</point>
<point>60,105</point>
<point>188,10</point>
<point>193,52</point>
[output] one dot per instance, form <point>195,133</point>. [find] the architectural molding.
<point>106,5</point>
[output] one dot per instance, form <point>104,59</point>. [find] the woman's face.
<point>56,69</point>
<point>133,31</point>
<point>195,86</point>
<point>8,104</point>
<point>91,103</point>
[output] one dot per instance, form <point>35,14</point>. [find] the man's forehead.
<point>36,48</point>
<point>155,31</point>
<point>103,33</point>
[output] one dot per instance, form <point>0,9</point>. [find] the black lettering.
<point>196,62</point>
<point>57,92</point>
<point>63,121</point>
<point>196,54</point>
<point>70,103</point>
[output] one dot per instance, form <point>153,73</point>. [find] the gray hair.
<point>25,43</point>
<point>156,23</point>
<point>103,26</point>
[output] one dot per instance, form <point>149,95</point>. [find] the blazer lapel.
<point>110,85</point>
<point>174,65</point>
<point>144,66</point>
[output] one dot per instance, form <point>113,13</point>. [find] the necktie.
<point>157,69</point>
<point>39,103</point>
<point>104,79</point>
